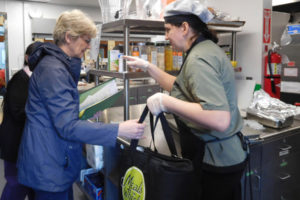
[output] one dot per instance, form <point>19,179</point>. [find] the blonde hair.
<point>76,23</point>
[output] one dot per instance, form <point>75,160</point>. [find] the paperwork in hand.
<point>98,98</point>
<point>109,88</point>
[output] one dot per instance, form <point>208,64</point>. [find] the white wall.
<point>249,41</point>
<point>15,32</point>
<point>51,11</point>
<point>19,24</point>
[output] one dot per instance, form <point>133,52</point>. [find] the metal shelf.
<point>121,75</point>
<point>156,27</point>
<point>125,75</point>
<point>136,26</point>
<point>151,27</point>
<point>224,29</point>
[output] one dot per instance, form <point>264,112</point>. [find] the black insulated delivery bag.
<point>149,175</point>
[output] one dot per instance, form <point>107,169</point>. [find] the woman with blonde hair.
<point>51,147</point>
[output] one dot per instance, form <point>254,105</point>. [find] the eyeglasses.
<point>87,41</point>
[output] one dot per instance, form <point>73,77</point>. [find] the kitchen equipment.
<point>271,123</point>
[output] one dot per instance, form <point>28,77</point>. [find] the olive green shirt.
<point>207,78</point>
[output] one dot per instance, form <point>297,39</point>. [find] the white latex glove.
<point>136,62</point>
<point>155,104</point>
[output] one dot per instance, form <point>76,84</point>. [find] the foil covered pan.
<point>271,112</point>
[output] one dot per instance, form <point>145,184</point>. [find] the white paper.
<point>106,91</point>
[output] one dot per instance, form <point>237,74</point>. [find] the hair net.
<point>188,7</point>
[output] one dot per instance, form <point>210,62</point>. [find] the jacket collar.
<point>73,65</point>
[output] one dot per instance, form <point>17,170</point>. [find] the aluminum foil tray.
<point>270,123</point>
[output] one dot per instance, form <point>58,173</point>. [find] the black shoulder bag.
<point>147,174</point>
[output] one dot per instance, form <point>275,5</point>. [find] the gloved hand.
<point>136,62</point>
<point>155,103</point>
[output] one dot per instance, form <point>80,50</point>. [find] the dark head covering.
<point>30,49</point>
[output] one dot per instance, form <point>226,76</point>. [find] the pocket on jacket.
<point>54,148</point>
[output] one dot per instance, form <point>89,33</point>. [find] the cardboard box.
<point>94,184</point>
<point>1,20</point>
<point>113,60</point>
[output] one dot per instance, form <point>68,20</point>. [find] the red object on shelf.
<point>272,73</point>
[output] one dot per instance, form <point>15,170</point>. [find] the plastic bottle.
<point>151,52</point>
<point>135,52</point>
<point>179,59</point>
<point>168,57</point>
<point>160,55</point>
<point>142,50</point>
<point>175,59</point>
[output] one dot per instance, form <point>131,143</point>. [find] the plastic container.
<point>160,55</point>
<point>129,9</point>
<point>135,51</point>
<point>151,52</point>
<point>111,10</point>
<point>142,50</point>
<point>121,63</point>
<point>175,59</point>
<point>168,57</point>
<point>94,184</point>
<point>179,59</point>
<point>131,45</point>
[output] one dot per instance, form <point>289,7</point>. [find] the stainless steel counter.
<point>115,115</point>
<point>270,132</point>
<point>112,155</point>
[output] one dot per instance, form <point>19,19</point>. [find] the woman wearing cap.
<point>51,147</point>
<point>203,101</point>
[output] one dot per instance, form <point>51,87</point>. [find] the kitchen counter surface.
<point>115,115</point>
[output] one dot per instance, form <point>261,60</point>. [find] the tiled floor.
<point>78,195</point>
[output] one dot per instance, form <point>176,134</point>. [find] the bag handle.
<point>152,128</point>
<point>166,130</point>
<point>134,142</point>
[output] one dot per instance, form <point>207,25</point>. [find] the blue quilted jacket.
<point>51,147</point>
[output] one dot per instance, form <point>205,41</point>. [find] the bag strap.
<point>168,134</point>
<point>152,127</point>
<point>166,130</point>
<point>134,142</point>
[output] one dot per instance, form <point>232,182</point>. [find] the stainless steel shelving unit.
<point>150,27</point>
<point>228,29</point>
<point>127,27</point>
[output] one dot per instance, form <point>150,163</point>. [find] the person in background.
<point>2,82</point>
<point>50,153</point>
<point>11,130</point>
<point>203,100</point>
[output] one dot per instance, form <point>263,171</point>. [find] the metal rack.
<point>150,27</point>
